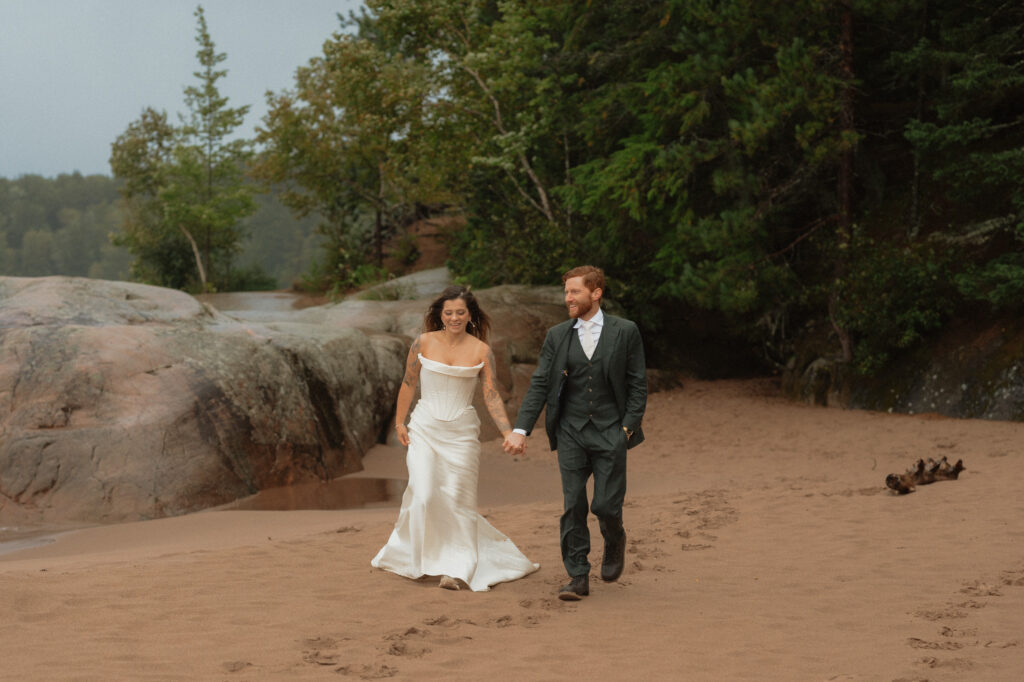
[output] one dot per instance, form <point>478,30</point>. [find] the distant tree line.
<point>61,226</point>
<point>64,226</point>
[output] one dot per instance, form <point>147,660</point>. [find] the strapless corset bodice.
<point>447,390</point>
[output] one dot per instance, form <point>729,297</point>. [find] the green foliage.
<point>183,189</point>
<point>998,282</point>
<point>429,105</point>
<point>892,296</point>
<point>250,278</point>
<point>721,126</point>
<point>345,261</point>
<point>969,137</point>
<point>72,218</point>
<point>349,145</point>
<point>693,148</point>
<point>406,252</point>
<point>60,226</point>
<point>277,242</point>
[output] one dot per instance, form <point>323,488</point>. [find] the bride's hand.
<point>403,434</point>
<point>515,443</point>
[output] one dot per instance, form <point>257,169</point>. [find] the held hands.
<point>515,443</point>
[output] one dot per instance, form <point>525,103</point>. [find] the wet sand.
<point>763,545</point>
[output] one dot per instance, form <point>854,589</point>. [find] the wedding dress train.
<point>439,531</point>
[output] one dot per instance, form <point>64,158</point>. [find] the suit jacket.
<point>623,353</point>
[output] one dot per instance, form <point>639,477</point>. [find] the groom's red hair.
<point>593,278</point>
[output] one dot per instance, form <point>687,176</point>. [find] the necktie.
<point>587,339</point>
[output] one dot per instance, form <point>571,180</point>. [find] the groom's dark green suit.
<point>591,404</point>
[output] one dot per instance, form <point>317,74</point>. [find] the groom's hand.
<point>515,443</point>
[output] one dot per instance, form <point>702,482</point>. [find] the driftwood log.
<point>923,473</point>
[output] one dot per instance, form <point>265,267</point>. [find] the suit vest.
<point>587,395</point>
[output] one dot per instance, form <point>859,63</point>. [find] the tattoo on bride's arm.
<point>492,397</point>
<point>412,367</point>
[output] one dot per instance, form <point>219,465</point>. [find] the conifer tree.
<point>184,188</point>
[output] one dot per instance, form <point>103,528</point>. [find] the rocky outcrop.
<point>122,401</point>
<point>520,317</point>
<point>972,370</point>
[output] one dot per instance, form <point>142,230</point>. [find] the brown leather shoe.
<point>578,587</point>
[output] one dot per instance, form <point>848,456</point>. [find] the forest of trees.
<point>846,169</point>
<point>849,171</point>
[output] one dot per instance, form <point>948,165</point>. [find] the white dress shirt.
<point>595,328</point>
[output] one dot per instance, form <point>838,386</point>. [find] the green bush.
<point>891,297</point>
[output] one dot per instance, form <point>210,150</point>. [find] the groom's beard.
<point>581,309</point>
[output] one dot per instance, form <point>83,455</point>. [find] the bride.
<point>438,531</point>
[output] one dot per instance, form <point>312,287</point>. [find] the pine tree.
<point>184,185</point>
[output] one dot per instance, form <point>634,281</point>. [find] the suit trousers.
<point>601,452</point>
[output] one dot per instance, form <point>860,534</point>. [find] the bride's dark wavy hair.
<point>480,324</point>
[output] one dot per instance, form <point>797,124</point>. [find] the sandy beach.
<point>763,545</point>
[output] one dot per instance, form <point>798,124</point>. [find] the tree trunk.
<point>378,238</point>
<point>845,184</point>
<point>914,226</point>
<point>198,256</point>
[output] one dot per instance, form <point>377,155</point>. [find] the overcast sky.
<point>75,73</point>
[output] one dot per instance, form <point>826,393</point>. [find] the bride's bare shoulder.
<point>482,351</point>
<point>428,339</point>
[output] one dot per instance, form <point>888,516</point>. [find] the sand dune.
<point>763,545</point>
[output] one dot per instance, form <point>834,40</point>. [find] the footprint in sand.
<point>944,646</point>
<point>953,664</point>
<point>643,553</point>
<point>408,642</point>
<point>701,513</point>
<point>529,618</point>
<point>236,666</point>
<point>941,614</point>
<point>368,672</point>
<point>947,631</point>
<point>686,535</point>
<point>316,651</point>
<point>447,621</point>
<point>320,642</point>
<point>639,567</point>
<point>980,589</point>
<point>321,657</point>
<point>1012,578</point>
<point>542,604</point>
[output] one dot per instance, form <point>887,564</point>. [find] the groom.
<point>591,377</point>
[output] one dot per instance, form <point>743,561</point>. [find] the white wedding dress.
<point>439,531</point>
